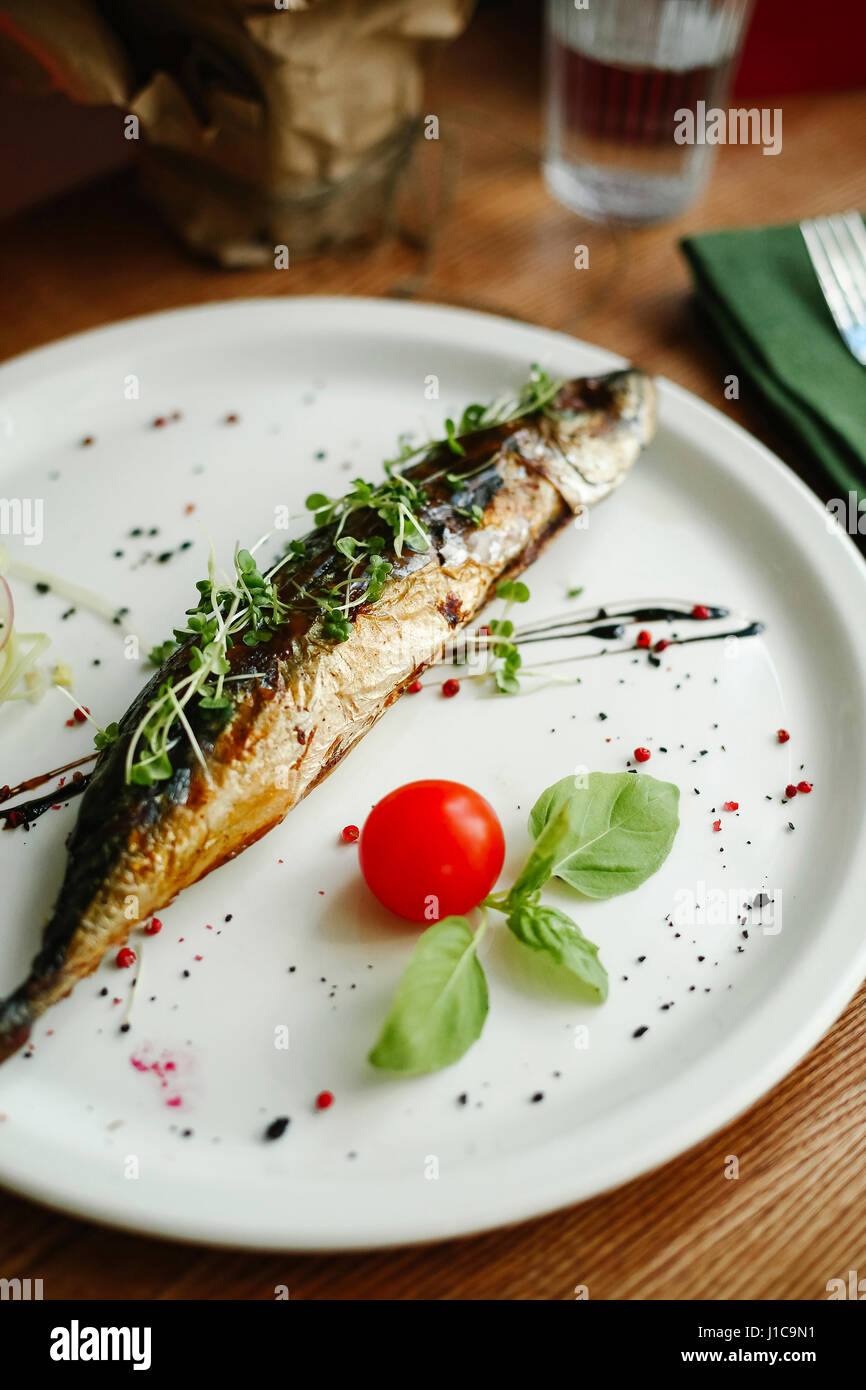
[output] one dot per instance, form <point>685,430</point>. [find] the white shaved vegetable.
<point>7,613</point>
<point>20,678</point>
<point>75,593</point>
<point>17,666</point>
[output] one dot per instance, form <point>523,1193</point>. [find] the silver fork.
<point>837,250</point>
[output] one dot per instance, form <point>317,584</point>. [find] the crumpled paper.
<point>263,123</point>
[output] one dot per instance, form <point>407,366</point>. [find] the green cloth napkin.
<point>759,290</point>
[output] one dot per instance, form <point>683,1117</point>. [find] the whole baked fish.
<point>358,610</point>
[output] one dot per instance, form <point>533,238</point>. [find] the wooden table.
<point>794,1219</point>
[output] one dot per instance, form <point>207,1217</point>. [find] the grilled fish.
<point>300,701</point>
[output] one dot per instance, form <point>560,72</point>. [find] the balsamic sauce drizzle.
<point>598,624</point>
<point>26,812</point>
<point>7,792</point>
<point>576,626</point>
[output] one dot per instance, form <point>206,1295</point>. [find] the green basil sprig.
<point>602,834</point>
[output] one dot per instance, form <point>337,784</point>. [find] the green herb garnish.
<point>248,608</point>
<point>618,830</point>
<point>536,394</point>
<point>451,438</point>
<point>602,834</point>
<point>473,513</point>
<point>440,1005</point>
<point>555,936</point>
<point>502,628</point>
<point>395,501</point>
<point>160,653</point>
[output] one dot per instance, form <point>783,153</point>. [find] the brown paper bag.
<point>262,125</point>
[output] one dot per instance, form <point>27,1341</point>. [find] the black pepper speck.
<point>277,1128</point>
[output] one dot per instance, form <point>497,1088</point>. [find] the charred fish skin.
<point>301,701</point>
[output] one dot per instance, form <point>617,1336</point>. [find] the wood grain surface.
<point>795,1216</point>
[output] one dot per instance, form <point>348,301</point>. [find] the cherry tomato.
<point>430,849</point>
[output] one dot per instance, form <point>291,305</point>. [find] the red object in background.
<point>798,46</point>
<point>48,145</point>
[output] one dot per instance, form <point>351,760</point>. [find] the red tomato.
<point>430,849</point>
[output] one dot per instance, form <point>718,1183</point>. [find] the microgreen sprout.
<point>535,395</point>
<point>512,591</point>
<point>395,501</point>
<point>249,608</point>
<point>160,653</point>
<point>451,437</point>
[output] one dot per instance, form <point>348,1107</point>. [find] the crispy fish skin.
<point>303,701</point>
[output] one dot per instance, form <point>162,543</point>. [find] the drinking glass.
<point>618,71</point>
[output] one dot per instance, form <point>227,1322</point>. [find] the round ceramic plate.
<point>161,1128</point>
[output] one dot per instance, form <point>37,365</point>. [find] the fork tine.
<point>853,225</point>
<point>836,302</point>
<point>854,222</point>
<point>843,259</point>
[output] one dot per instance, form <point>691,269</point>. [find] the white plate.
<point>707,515</point>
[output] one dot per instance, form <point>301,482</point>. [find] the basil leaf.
<point>554,842</point>
<point>440,1004</point>
<point>621,826</point>
<point>548,930</point>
